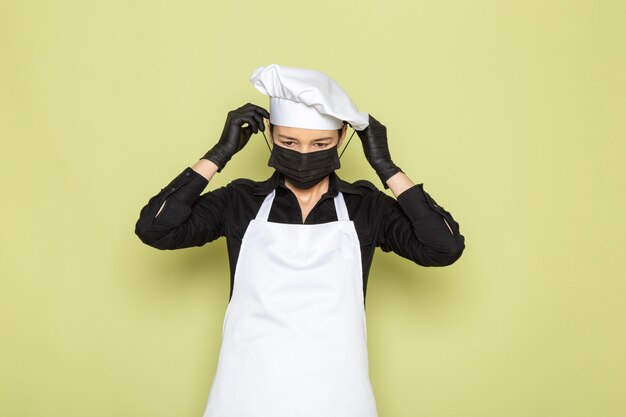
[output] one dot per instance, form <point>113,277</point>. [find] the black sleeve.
<point>415,227</point>
<point>179,217</point>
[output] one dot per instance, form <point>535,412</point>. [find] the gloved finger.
<point>248,107</point>
<point>376,123</point>
<point>253,124</point>
<point>261,111</point>
<point>259,120</point>
<point>241,119</point>
<point>247,132</point>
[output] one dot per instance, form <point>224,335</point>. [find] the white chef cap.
<point>306,98</point>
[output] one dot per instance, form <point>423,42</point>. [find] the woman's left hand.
<point>374,141</point>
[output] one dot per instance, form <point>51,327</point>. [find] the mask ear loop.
<point>344,148</point>
<point>268,144</point>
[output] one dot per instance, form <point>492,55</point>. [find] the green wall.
<point>511,113</point>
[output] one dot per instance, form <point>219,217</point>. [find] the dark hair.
<point>338,130</point>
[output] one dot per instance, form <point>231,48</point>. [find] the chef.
<point>300,244</point>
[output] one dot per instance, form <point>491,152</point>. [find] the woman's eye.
<point>321,145</point>
<point>287,143</point>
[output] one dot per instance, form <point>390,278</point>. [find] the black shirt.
<point>414,226</point>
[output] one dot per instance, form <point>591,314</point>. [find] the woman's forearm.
<point>205,168</point>
<point>399,182</point>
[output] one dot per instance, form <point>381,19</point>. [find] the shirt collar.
<point>335,184</point>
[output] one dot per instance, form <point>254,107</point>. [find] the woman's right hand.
<point>235,136</point>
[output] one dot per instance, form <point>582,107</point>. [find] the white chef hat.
<point>306,98</point>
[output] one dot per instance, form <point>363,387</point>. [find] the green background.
<point>512,114</point>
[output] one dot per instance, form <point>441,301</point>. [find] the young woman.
<point>300,245</point>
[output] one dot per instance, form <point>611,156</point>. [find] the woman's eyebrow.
<point>314,140</point>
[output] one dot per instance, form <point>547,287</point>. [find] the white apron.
<point>294,338</point>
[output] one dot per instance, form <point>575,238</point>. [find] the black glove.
<point>234,136</point>
<point>374,140</point>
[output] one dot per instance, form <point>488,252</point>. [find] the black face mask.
<point>304,170</point>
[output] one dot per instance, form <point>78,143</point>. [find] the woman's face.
<point>305,140</point>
